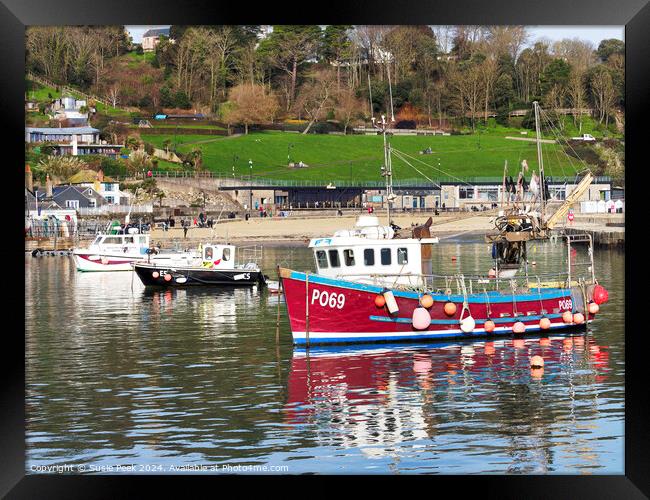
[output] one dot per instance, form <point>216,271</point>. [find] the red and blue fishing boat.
<point>376,283</point>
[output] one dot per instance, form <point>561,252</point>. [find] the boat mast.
<point>540,159</point>
<point>387,170</point>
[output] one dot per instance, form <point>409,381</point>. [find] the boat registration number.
<point>566,305</point>
<point>327,299</point>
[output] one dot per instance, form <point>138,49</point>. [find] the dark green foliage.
<point>608,47</point>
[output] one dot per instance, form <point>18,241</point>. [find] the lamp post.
<point>234,159</point>
<point>250,185</point>
<point>289,146</point>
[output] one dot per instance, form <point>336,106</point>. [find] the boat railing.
<point>249,253</point>
<point>464,283</point>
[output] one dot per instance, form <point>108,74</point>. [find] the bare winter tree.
<point>249,104</point>
<point>317,93</point>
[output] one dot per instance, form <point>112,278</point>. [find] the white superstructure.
<point>370,253</point>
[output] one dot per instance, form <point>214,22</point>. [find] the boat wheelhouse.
<point>370,253</point>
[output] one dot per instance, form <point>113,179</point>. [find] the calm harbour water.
<point>125,379</point>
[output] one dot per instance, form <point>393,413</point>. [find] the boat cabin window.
<point>113,240</point>
<point>402,256</point>
<point>226,254</point>
<point>208,253</point>
<point>348,257</point>
<point>97,240</point>
<point>334,258</point>
<point>128,239</point>
<point>321,259</point>
<point>369,257</point>
<point>143,240</point>
<point>385,256</point>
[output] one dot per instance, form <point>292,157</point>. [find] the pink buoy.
<point>567,317</point>
<point>518,327</point>
<point>489,326</point>
<point>578,318</point>
<point>593,308</point>
<point>168,277</point>
<point>155,274</point>
<point>545,323</point>
<point>421,318</point>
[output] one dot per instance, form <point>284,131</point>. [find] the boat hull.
<point>192,276</point>
<point>85,261</point>
<point>330,311</point>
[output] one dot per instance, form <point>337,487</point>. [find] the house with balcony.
<point>75,141</point>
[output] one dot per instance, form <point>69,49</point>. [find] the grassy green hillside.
<point>356,157</point>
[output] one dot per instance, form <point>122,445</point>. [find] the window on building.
<point>348,257</point>
<point>110,199</point>
<point>72,204</point>
<point>385,257</point>
<point>321,259</point>
<point>402,256</point>
<point>334,258</point>
<point>466,192</point>
<point>109,187</point>
<point>488,193</point>
<point>369,257</point>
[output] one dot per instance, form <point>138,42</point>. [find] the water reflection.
<point>479,399</point>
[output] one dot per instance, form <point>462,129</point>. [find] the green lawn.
<point>356,157</point>
<point>39,93</point>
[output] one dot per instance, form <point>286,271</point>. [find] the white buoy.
<point>421,318</point>
<point>391,303</point>
<point>467,324</point>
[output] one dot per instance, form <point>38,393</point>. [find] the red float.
<point>600,294</point>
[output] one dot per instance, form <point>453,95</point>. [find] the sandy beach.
<point>281,229</point>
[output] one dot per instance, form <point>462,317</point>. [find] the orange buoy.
<point>519,327</point>
<point>536,362</point>
<point>450,308</point>
<point>489,326</point>
<point>155,274</point>
<point>426,300</point>
<point>421,318</point>
<point>168,277</point>
<point>380,301</point>
<point>593,308</point>
<point>545,323</point>
<point>578,318</point>
<point>567,317</point>
<point>453,257</point>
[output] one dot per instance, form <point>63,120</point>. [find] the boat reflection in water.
<point>407,404</point>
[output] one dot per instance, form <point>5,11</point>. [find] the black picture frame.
<point>15,15</point>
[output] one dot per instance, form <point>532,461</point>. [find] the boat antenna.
<point>370,96</point>
<point>540,159</point>
<point>390,92</point>
<point>386,169</point>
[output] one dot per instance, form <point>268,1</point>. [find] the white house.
<point>151,38</point>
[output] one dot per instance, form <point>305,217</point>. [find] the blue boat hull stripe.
<point>456,322</point>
